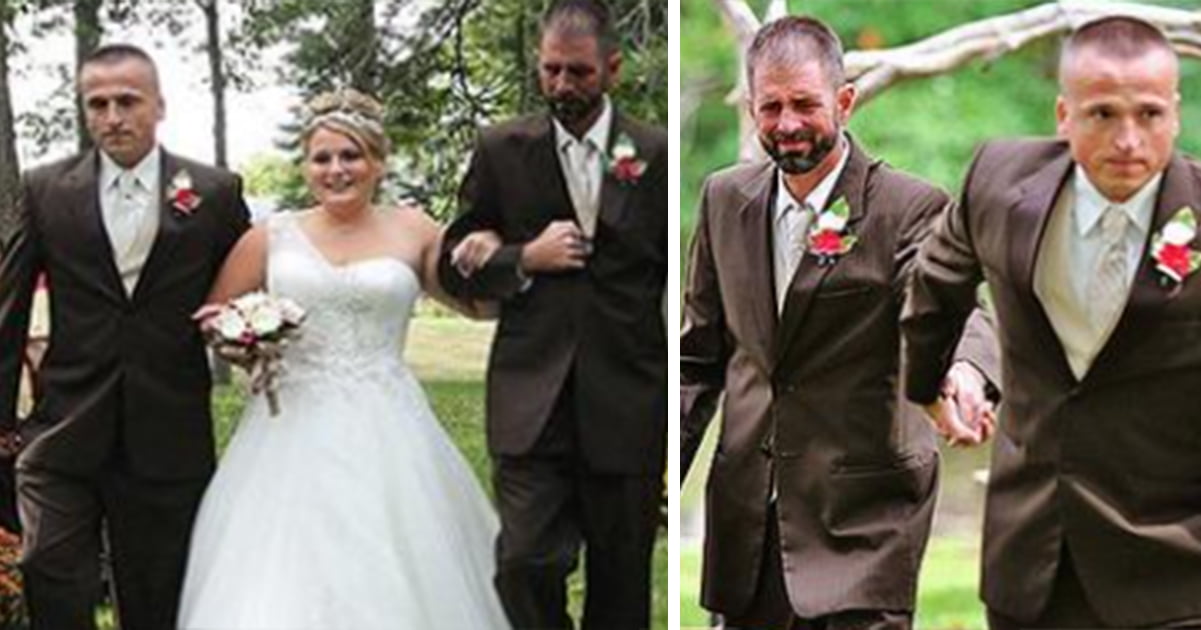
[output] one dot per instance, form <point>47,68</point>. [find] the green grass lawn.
<point>449,355</point>
<point>946,589</point>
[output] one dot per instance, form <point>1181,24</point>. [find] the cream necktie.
<point>1109,285</point>
<point>127,215</point>
<point>794,222</point>
<point>583,155</point>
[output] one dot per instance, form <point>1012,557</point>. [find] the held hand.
<point>10,443</point>
<point>474,251</point>
<point>965,385</point>
<point>560,247</point>
<point>944,414</point>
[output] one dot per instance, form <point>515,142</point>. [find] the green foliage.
<point>272,175</point>
<point>460,65</point>
<point>929,127</point>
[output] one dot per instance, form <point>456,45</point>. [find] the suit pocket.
<point>875,499</point>
<point>843,293</point>
<point>848,467</point>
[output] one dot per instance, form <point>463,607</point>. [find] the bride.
<point>351,509</point>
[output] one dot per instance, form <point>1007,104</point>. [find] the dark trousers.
<point>148,524</point>
<point>551,502</point>
<point>770,608</point>
<point>1068,606</point>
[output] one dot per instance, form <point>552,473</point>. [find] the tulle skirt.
<point>349,510</point>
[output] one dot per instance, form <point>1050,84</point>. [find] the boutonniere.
<point>1174,259</point>
<point>183,198</point>
<point>624,163</point>
<point>829,239</point>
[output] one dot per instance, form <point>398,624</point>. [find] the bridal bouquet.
<point>251,331</point>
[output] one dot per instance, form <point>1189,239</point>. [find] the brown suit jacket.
<point>1109,465</point>
<point>603,324</point>
<point>123,375</point>
<point>811,396</point>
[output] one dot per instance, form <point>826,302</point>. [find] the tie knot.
<point>128,182</point>
<point>1113,223</point>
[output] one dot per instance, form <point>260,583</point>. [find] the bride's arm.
<point>432,234</point>
<point>244,269</point>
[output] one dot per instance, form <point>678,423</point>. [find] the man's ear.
<point>845,98</point>
<point>1061,116</point>
<point>613,63</point>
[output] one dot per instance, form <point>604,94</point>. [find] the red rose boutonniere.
<point>829,239</point>
<point>1174,259</point>
<point>624,163</point>
<point>183,198</point>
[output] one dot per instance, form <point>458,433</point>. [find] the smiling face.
<point>340,173</point>
<point>122,107</point>
<point>1120,117</point>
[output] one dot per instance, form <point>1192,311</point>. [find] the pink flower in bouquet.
<point>251,330</point>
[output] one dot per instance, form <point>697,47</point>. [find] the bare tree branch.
<point>873,71</point>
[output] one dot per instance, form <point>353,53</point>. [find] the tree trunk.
<point>10,170</point>
<point>212,22</point>
<point>87,37</point>
<point>212,46</point>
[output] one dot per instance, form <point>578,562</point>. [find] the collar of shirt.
<point>145,172</point>
<point>817,197</point>
<point>1091,204</point>
<point>598,133</point>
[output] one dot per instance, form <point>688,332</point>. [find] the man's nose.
<point>791,122</point>
<point>1128,137</point>
<point>112,114</point>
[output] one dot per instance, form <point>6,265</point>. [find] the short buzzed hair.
<point>589,18</point>
<point>115,53</point>
<point>796,39</point>
<point>1115,36</point>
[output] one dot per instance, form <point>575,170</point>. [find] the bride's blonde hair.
<point>351,113</point>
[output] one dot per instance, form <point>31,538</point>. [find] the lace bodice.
<point>358,313</point>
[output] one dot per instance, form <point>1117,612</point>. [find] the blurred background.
<point>927,126</point>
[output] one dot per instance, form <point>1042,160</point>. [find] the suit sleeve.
<point>500,278</point>
<point>942,296</point>
<point>20,264</point>
<point>978,344</point>
<point>704,344</point>
<point>236,225</point>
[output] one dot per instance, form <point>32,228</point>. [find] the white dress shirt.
<point>129,205</point>
<point>582,163</point>
<point>1068,257</point>
<point>791,219</point>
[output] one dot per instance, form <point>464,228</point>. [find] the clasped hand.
<point>963,414</point>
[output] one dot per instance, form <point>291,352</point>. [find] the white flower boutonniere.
<point>182,197</point>
<point>1174,259</point>
<point>829,238</point>
<point>624,163</point>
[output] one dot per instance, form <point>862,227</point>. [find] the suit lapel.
<point>1028,226</point>
<point>754,239</point>
<point>82,189</point>
<point>170,227</point>
<point>809,276</point>
<point>542,157</point>
<point>1147,297</point>
<point>613,193</point>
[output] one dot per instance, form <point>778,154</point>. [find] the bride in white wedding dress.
<point>351,509</point>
